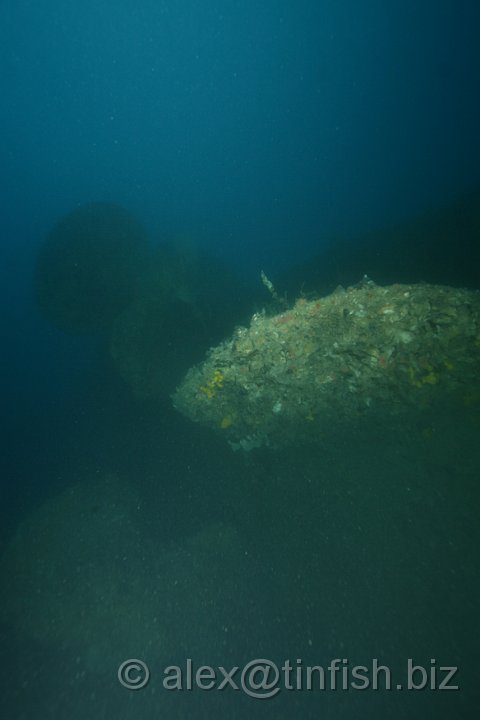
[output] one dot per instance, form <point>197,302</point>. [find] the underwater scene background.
<point>203,205</point>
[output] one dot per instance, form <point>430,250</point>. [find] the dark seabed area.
<point>159,160</point>
<point>130,532</point>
